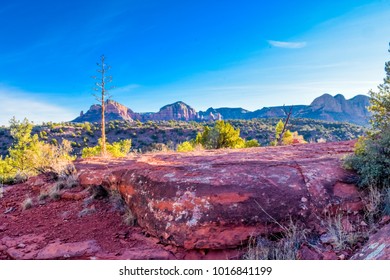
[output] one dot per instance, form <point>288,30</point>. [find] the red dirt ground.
<point>54,229</point>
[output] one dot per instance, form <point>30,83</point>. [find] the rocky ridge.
<point>325,107</point>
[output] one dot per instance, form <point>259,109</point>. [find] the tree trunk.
<point>104,149</point>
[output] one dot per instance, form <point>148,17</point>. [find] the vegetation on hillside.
<point>167,135</point>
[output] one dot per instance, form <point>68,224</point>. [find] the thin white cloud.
<point>287,45</point>
<point>125,89</point>
<point>15,102</point>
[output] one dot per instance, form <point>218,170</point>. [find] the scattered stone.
<point>329,256</point>
<point>60,250</point>
<point>306,253</point>
<point>328,238</point>
<point>3,228</point>
<point>384,220</point>
<point>9,210</point>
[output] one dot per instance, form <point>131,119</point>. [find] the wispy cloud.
<point>15,102</point>
<point>287,45</point>
<point>125,89</point>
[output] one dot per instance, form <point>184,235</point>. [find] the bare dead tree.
<point>285,123</point>
<point>101,86</point>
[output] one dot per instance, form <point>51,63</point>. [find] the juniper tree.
<point>380,102</point>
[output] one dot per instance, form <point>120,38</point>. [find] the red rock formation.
<point>377,247</point>
<point>176,111</point>
<point>218,199</point>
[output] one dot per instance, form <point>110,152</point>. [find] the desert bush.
<point>289,137</point>
<point>251,143</point>
<point>371,160</point>
<point>86,212</point>
<point>27,203</point>
<point>284,247</point>
<point>222,135</point>
<point>117,201</point>
<point>372,153</point>
<point>339,235</point>
<point>28,156</point>
<point>128,218</point>
<point>116,149</point>
<point>184,147</point>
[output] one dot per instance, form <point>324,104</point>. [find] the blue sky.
<point>244,53</point>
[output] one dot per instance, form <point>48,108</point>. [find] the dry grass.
<point>285,247</point>
<point>117,201</point>
<point>341,233</point>
<point>375,205</point>
<point>128,218</point>
<point>54,193</point>
<point>386,202</point>
<point>67,182</point>
<point>43,195</point>
<point>86,212</point>
<point>27,203</point>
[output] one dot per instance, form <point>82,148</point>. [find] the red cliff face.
<point>218,199</point>
<point>175,111</point>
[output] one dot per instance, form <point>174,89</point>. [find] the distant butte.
<point>325,107</point>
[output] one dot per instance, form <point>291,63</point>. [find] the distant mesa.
<point>325,107</point>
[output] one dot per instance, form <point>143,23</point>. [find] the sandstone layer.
<point>218,199</point>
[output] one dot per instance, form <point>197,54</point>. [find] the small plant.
<point>87,211</point>
<point>284,247</point>
<point>67,182</point>
<point>373,204</point>
<point>129,218</point>
<point>386,202</point>
<point>341,234</point>
<point>27,203</point>
<point>117,201</point>
<point>43,195</point>
<point>54,193</point>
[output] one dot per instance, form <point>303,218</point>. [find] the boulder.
<point>218,199</point>
<point>77,250</point>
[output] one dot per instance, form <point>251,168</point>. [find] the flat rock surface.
<point>218,199</point>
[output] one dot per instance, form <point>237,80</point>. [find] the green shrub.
<point>185,147</point>
<point>372,154</point>
<point>28,156</point>
<point>252,143</point>
<point>116,149</point>
<point>222,135</point>
<point>371,160</point>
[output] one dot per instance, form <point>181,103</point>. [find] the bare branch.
<point>285,123</point>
